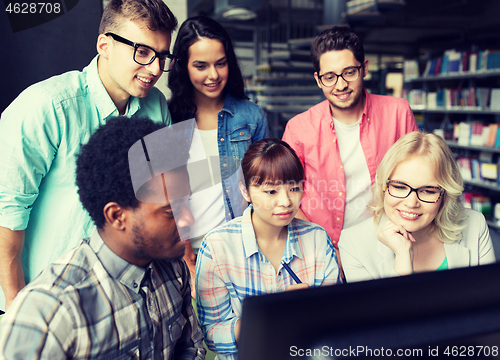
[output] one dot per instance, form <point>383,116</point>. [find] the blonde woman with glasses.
<point>419,222</point>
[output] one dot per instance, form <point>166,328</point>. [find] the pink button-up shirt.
<point>312,135</point>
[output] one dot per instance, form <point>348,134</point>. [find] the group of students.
<point>353,192</point>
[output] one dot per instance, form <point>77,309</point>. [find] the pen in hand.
<point>290,271</point>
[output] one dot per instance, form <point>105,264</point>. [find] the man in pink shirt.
<point>342,140</point>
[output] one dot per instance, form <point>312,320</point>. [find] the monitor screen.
<point>439,314</point>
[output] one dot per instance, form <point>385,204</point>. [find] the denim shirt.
<point>240,123</point>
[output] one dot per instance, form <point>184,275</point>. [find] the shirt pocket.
<point>128,352</point>
<point>240,139</point>
<point>176,328</point>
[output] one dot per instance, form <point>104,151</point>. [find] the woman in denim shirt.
<point>207,85</point>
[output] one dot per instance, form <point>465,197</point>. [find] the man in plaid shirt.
<point>124,292</point>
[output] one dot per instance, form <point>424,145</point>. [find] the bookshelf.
<point>457,95</point>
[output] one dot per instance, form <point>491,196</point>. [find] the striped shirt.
<point>230,267</point>
<point>92,304</point>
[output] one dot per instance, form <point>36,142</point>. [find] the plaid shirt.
<point>91,304</point>
<point>231,267</point>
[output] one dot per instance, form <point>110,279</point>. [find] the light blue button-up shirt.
<point>40,135</point>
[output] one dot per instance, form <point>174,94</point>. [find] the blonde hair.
<point>449,221</point>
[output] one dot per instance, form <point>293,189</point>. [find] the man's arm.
<point>190,259</point>
<point>11,267</point>
<point>36,327</point>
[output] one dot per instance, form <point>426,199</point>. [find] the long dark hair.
<point>181,103</point>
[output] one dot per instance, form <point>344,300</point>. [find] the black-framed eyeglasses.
<point>145,55</point>
<point>401,190</point>
<point>350,74</point>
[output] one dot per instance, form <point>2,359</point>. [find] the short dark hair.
<point>154,13</point>
<point>271,160</point>
<point>181,104</point>
<point>337,38</point>
<point>102,166</point>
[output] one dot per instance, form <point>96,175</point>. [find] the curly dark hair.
<point>181,104</point>
<point>102,168</point>
<point>337,38</point>
<point>155,13</point>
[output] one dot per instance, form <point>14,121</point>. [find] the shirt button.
<point>221,139</point>
<point>338,219</point>
<point>334,141</point>
<point>229,214</point>
<point>227,191</point>
<point>368,119</point>
<point>341,166</point>
<point>225,165</point>
<point>220,115</point>
<point>241,133</point>
<point>340,193</point>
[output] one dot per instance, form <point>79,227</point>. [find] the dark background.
<point>63,44</point>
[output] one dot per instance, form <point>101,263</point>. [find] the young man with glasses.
<point>342,140</point>
<point>42,130</point>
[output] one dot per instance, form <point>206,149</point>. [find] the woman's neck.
<point>270,239</point>
<point>426,234</point>
<point>206,112</point>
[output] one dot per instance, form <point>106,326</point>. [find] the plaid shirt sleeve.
<point>41,323</point>
<point>215,311</point>
<point>332,273</point>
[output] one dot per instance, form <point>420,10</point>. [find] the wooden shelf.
<point>482,184</point>
<point>456,110</point>
<point>456,76</point>
<point>453,144</point>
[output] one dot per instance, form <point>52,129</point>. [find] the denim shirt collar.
<point>229,104</point>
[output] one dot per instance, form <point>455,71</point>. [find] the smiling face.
<point>343,96</point>
<point>208,69</point>
<point>120,74</point>
<point>157,229</point>
<point>413,214</point>
<point>274,204</point>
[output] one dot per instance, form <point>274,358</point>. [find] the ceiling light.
<point>239,13</point>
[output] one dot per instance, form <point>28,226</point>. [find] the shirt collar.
<point>100,96</point>
<point>229,104</point>
<point>367,107</point>
<point>292,247</point>
<point>248,233</point>
<point>128,274</point>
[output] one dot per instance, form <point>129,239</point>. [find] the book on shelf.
<point>495,99</point>
<point>410,69</point>
<point>477,201</point>
<point>484,168</point>
<point>476,133</point>
<point>457,62</point>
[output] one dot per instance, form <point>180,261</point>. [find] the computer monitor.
<point>442,314</point>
